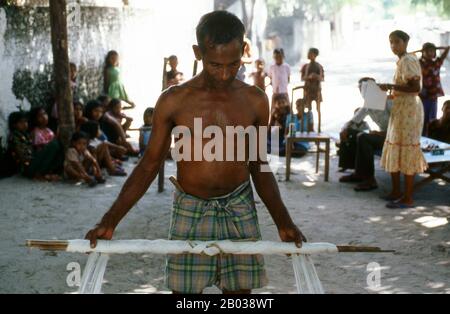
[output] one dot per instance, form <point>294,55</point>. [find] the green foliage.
<point>324,9</point>
<point>313,9</point>
<point>443,6</point>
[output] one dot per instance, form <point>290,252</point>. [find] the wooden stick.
<point>62,245</point>
<point>361,249</point>
<point>48,245</point>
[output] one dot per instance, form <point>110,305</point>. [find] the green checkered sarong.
<point>231,217</point>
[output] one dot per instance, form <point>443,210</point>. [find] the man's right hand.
<point>102,231</point>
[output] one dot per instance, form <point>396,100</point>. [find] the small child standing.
<point>80,165</point>
<point>259,76</point>
<point>112,82</point>
<point>313,76</point>
<point>431,84</point>
<point>280,75</point>
<point>146,130</point>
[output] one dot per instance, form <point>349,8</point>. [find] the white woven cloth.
<point>208,248</point>
<point>306,277</point>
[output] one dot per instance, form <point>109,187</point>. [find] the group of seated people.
<point>359,145</point>
<point>99,142</point>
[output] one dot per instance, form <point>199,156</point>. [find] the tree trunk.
<point>58,21</point>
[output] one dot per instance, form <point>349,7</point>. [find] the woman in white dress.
<point>402,153</point>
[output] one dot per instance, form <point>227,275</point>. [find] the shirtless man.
<point>215,199</point>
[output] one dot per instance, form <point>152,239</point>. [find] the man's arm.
<point>444,55</point>
<point>142,176</point>
<point>267,187</point>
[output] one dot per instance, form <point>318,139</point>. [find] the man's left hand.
<point>292,233</point>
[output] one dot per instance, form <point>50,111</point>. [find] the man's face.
<point>221,63</point>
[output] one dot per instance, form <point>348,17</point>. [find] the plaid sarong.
<point>231,217</point>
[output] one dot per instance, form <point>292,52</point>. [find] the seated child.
<point>78,112</point>
<point>280,112</point>
<point>104,100</point>
<point>20,147</point>
<point>259,77</point>
<point>79,164</point>
<point>41,135</point>
<point>146,130</point>
<point>114,129</point>
<point>95,112</point>
<point>44,163</point>
<point>115,112</point>
<point>302,122</point>
<point>100,150</point>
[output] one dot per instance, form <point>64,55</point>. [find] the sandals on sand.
<point>394,205</point>
<point>351,179</point>
<point>389,198</point>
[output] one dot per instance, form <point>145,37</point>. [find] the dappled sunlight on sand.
<point>432,222</point>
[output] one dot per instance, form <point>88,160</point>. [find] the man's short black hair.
<point>15,118</point>
<point>218,28</point>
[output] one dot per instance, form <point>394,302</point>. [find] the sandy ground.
<point>326,212</point>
